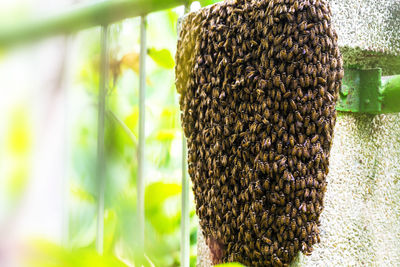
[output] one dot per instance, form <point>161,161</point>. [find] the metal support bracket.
<point>366,91</point>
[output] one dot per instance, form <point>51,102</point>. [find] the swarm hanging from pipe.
<point>258,82</point>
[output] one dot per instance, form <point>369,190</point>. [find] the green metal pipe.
<point>360,91</point>
<point>185,216</point>
<point>390,93</point>
<point>142,135</point>
<point>81,17</point>
<point>100,168</point>
<point>366,91</point>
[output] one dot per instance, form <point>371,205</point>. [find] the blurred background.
<point>48,144</point>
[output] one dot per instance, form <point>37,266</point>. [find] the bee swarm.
<point>258,82</point>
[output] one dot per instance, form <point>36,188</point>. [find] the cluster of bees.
<point>259,80</point>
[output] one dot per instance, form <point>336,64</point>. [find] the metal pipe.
<point>142,134</point>
<point>185,220</point>
<point>391,94</point>
<point>80,17</point>
<point>185,231</point>
<point>366,91</point>
<point>100,168</point>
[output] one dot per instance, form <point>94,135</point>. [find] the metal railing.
<point>103,13</point>
<point>80,17</point>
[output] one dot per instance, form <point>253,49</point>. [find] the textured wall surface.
<point>368,24</point>
<point>365,29</point>
<point>203,252</point>
<point>360,225</point>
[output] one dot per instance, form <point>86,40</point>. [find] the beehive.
<point>258,83</point>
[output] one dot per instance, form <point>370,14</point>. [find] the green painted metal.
<point>391,94</point>
<point>360,90</point>
<point>185,202</point>
<point>366,91</point>
<point>101,162</point>
<point>142,135</point>
<point>81,17</point>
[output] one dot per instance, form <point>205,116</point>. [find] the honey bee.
<point>277,261</point>
<point>298,116</point>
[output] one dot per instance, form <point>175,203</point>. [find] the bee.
<point>302,26</point>
<point>299,92</point>
<point>321,80</point>
<point>266,184</point>
<point>291,68</point>
<point>301,138</point>
<point>307,80</point>
<point>272,210</point>
<point>303,233</point>
<point>279,148</point>
<point>283,55</point>
<point>279,236</point>
<point>311,208</point>
<point>292,105</point>
<point>287,189</point>
<point>246,249</point>
<point>278,40</point>
<point>277,261</point>
<point>291,250</point>
<point>275,167</point>
<point>314,139</point>
<point>298,116</point>
<point>324,57</point>
<point>296,5</point>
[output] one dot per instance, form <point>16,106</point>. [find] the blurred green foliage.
<point>162,57</point>
<point>51,255</point>
<point>162,153</point>
<point>233,264</point>
<point>208,2</point>
<point>19,143</point>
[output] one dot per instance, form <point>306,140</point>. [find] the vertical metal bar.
<point>69,40</point>
<point>185,231</point>
<point>187,8</point>
<point>100,169</point>
<point>185,234</point>
<point>142,137</point>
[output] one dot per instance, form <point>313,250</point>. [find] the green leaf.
<point>208,2</point>
<point>232,264</point>
<point>132,120</point>
<point>110,225</point>
<point>19,137</point>
<point>168,118</point>
<point>81,194</point>
<point>48,254</point>
<point>156,196</point>
<point>162,57</point>
<point>166,135</point>
<point>157,193</point>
